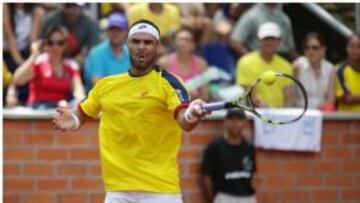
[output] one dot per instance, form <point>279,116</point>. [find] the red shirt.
<point>46,86</point>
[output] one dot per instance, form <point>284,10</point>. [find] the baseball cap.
<point>239,114</point>
<point>269,29</point>
<point>117,20</point>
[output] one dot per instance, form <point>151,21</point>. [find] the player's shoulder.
<point>108,80</point>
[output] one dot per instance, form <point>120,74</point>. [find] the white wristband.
<point>76,120</point>
<point>189,117</point>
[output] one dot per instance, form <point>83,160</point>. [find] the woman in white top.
<point>316,73</point>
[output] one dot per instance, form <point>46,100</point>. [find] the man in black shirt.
<point>228,164</point>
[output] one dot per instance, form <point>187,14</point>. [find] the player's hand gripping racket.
<point>269,83</point>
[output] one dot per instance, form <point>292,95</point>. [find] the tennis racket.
<point>270,84</point>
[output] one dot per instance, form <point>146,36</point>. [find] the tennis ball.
<point>269,77</point>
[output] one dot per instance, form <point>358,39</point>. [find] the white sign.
<point>302,135</point>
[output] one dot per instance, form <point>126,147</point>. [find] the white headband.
<point>144,27</point>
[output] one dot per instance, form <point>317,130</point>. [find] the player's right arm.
<point>68,119</point>
<point>72,119</point>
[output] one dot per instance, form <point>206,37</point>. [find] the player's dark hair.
<point>357,35</point>
<point>145,21</point>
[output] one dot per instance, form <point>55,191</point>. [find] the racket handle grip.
<point>214,106</point>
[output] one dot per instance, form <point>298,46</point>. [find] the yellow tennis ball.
<point>269,77</point>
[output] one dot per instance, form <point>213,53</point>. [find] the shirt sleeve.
<point>90,106</point>
<point>177,95</point>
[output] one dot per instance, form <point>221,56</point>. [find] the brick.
<point>324,195</point>
<point>71,169</point>
<point>52,184</point>
<point>350,194</point>
<point>337,181</point>
<point>267,196</point>
<point>84,154</point>
<point>16,125</point>
<point>295,167</point>
<point>11,198</point>
<point>351,166</point>
<point>18,154</point>
<point>267,167</point>
<point>44,125</point>
<point>280,182</point>
<point>18,184</point>
<point>326,167</point>
<point>72,198</point>
<point>86,184</point>
<point>37,198</point>
<point>308,182</point>
<point>350,138</point>
<point>72,138</point>
<point>52,154</point>
<point>291,195</point>
<point>97,198</point>
<point>38,139</point>
<point>11,169</point>
<point>198,139</point>
<point>38,169</point>
<point>95,169</point>
<point>337,153</point>
<point>333,126</point>
<point>190,154</point>
<point>330,139</point>
<point>12,139</point>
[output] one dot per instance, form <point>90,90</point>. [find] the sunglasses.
<point>313,47</point>
<point>56,42</point>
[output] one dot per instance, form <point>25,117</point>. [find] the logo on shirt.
<point>247,163</point>
<point>144,93</point>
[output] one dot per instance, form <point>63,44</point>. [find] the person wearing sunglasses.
<point>316,73</point>
<point>51,75</point>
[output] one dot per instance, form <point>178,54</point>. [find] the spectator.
<point>313,70</point>
<point>219,52</point>
<point>244,32</point>
<point>229,164</point>
<point>83,32</point>
<point>185,64</point>
<point>51,76</point>
<point>197,21</point>
<point>111,56</point>
<point>166,16</point>
<point>252,65</point>
<point>22,25</point>
<point>348,77</point>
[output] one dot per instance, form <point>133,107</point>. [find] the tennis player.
<point>142,114</point>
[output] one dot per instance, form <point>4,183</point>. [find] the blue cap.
<point>118,20</point>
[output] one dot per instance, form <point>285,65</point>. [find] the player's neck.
<point>233,139</point>
<point>138,72</point>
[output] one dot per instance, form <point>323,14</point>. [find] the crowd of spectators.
<point>56,52</point>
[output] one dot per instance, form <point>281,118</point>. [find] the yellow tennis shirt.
<point>138,134</point>
<point>252,66</point>
<point>348,79</point>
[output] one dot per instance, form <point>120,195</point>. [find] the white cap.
<point>269,29</point>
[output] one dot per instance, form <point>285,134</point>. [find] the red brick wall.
<point>42,165</point>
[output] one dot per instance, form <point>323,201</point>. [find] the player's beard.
<point>143,65</point>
